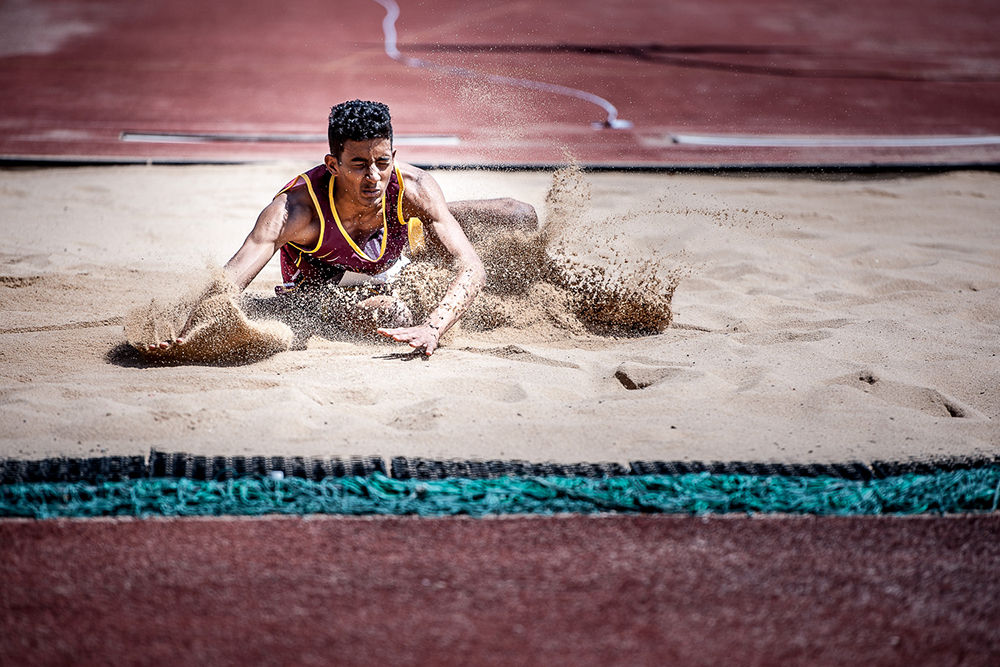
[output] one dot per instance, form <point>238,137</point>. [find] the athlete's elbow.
<point>480,277</point>
<point>477,275</point>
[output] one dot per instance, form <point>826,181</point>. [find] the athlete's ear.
<point>332,164</point>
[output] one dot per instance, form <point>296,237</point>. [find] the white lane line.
<point>209,137</point>
<point>801,141</point>
<point>389,30</point>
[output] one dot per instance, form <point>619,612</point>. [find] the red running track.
<point>78,75</point>
<point>573,590</point>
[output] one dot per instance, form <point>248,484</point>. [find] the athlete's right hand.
<point>179,339</point>
<point>166,344</point>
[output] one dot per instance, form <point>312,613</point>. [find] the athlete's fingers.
<point>165,345</point>
<point>402,331</point>
<point>399,334</point>
<point>403,335</point>
<point>416,337</point>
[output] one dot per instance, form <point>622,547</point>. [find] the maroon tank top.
<point>336,252</point>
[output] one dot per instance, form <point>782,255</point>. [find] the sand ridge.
<point>218,331</point>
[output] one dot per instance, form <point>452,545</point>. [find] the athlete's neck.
<point>359,220</point>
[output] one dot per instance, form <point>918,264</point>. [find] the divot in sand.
<point>633,375</point>
<point>925,399</point>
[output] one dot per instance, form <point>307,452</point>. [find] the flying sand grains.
<point>534,284</point>
<point>219,331</point>
<point>536,287</point>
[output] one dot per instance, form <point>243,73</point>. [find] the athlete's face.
<point>363,169</point>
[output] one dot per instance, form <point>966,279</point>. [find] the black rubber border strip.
<point>807,169</point>
<point>105,468</point>
<point>417,468</point>
<point>178,465</point>
<point>315,468</point>
<point>855,470</point>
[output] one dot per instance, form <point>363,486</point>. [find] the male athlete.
<point>350,220</point>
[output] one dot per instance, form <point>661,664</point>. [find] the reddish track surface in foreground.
<point>80,73</point>
<point>514,591</point>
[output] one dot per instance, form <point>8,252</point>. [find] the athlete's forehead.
<point>366,150</point>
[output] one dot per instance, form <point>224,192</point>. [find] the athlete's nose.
<point>372,173</point>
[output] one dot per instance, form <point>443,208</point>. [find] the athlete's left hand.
<point>421,336</point>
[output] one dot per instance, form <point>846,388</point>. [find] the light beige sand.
<point>817,320</point>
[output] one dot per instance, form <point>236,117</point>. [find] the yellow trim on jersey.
<point>347,237</point>
<point>319,212</point>
<point>399,199</point>
<point>414,228</point>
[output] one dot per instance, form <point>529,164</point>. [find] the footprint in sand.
<point>424,416</point>
<point>520,354</point>
<point>633,375</point>
<point>910,396</point>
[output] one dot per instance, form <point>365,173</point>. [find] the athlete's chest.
<point>343,234</point>
<point>360,228</point>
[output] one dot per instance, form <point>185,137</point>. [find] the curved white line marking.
<point>389,30</point>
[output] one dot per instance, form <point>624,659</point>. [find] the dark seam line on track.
<point>40,162</point>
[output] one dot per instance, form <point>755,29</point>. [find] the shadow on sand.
<point>305,317</point>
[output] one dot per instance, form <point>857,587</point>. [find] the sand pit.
<point>815,319</point>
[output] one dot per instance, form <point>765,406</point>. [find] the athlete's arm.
<point>423,199</point>
<point>284,219</point>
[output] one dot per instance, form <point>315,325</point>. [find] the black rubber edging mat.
<point>315,468</point>
<point>183,465</point>
<point>107,468</point>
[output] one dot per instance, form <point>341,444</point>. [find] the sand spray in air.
<point>566,279</point>
<point>538,285</point>
<point>219,331</point>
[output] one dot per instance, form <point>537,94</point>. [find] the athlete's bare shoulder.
<point>297,201</point>
<point>409,172</point>
<point>290,216</point>
<point>419,187</point>
<point>415,179</point>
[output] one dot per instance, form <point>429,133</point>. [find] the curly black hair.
<point>358,120</point>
